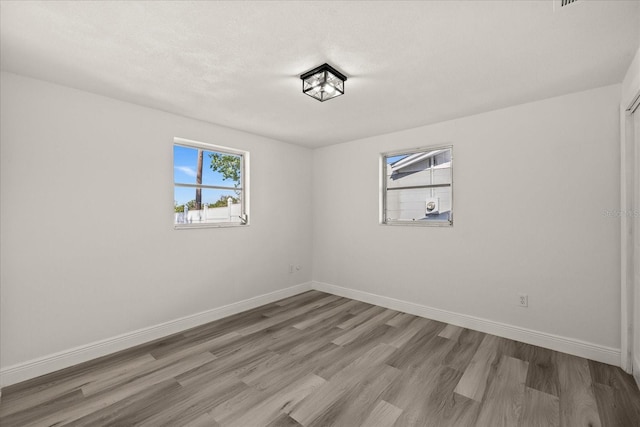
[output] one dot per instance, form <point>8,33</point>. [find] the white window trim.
<point>244,184</point>
<point>382,220</point>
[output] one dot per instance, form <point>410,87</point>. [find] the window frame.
<point>244,183</point>
<point>383,188</point>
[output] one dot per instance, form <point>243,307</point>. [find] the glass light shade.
<point>323,83</point>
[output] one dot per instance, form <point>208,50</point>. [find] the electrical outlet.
<point>523,300</point>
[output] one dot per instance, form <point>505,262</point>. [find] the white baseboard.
<point>54,362</point>
<point>580,348</point>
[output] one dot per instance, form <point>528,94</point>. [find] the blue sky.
<point>185,163</point>
<point>395,158</point>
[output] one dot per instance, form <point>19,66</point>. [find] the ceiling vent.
<point>564,3</point>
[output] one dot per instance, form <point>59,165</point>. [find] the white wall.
<point>630,226</point>
<point>531,184</point>
<point>631,81</point>
<point>69,280</point>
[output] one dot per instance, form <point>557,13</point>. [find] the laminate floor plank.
<point>224,365</point>
<point>226,324</point>
<point>451,332</point>
<point>114,395</point>
<point>313,336</point>
<point>271,408</point>
<point>234,407</point>
<point>407,333</point>
<point>400,320</point>
<point>361,317</point>
<point>38,410</point>
<point>301,298</point>
<point>275,379</point>
<point>322,360</point>
<point>193,402</point>
<point>502,405</point>
<point>75,412</point>
<point>419,344</point>
<point>426,402</point>
<point>135,408</point>
<point>157,368</point>
<point>204,420</point>
<point>42,395</point>
<point>266,367</point>
<point>458,411</point>
<point>425,389</point>
<point>384,414</point>
<point>420,378</point>
<point>359,308</point>
<point>474,380</point>
<point>338,357</point>
<point>539,409</point>
<point>380,334</point>
<point>319,339</point>
<point>316,302</point>
<point>420,398</point>
<point>291,362</point>
<point>321,401</point>
<point>578,405</point>
<point>543,371</point>
<point>354,407</point>
<point>608,408</point>
<point>465,347</point>
<point>286,316</point>
<point>342,308</point>
<point>248,344</point>
<point>616,394</point>
<point>82,370</point>
<point>284,420</point>
<point>191,346</point>
<point>444,407</point>
<point>623,387</point>
<point>364,327</point>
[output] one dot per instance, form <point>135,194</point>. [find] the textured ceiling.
<point>237,63</point>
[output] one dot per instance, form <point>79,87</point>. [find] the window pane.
<point>418,169</point>
<point>411,204</point>
<point>198,166</point>
<point>204,205</point>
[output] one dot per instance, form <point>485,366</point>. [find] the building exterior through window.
<point>418,187</point>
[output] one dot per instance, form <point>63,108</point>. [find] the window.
<point>210,185</point>
<point>417,187</point>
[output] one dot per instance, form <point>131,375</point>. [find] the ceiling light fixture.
<point>323,83</point>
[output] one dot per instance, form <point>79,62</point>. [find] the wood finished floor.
<point>321,360</point>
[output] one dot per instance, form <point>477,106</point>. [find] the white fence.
<point>229,213</point>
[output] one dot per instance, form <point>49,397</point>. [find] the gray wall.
<point>521,226</point>
<point>72,279</point>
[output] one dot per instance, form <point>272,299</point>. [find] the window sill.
<point>212,225</point>
<point>419,223</point>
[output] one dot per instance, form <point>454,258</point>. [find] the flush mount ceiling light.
<point>323,83</point>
